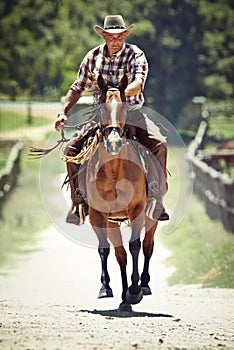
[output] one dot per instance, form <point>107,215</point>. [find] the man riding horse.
<point>112,60</point>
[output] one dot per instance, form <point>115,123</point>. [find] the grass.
<point>221,127</point>
<point>202,251</point>
<point>22,215</point>
<point>13,121</point>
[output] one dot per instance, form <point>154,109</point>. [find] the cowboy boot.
<point>79,208</point>
<point>155,209</point>
<point>74,215</point>
<point>156,163</point>
<point>157,183</point>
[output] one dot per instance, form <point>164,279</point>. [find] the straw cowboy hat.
<point>113,25</point>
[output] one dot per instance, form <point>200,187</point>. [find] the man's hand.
<point>61,121</point>
<point>133,88</point>
<point>93,85</point>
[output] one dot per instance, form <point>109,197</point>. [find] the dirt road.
<point>49,301</point>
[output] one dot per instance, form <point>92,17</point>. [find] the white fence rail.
<point>10,172</point>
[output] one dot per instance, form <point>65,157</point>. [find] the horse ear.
<point>123,82</point>
<point>102,84</point>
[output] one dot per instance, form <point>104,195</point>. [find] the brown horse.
<point>116,191</point>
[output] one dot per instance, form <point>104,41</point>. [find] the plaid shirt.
<point>130,60</point>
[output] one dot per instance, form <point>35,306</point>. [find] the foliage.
<point>188,43</point>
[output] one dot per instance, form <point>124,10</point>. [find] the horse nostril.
<point>120,143</point>
<point>113,147</point>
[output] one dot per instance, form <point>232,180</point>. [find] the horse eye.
<point>119,130</point>
<point>106,132</point>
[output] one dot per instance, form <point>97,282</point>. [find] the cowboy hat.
<point>113,25</point>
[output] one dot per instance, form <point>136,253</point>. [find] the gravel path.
<point>49,301</point>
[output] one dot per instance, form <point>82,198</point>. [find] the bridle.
<point>112,134</point>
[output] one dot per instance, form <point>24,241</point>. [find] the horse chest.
<point>114,181</point>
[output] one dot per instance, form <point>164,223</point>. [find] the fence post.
<point>29,113</point>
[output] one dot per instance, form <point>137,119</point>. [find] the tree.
<point>188,43</point>
<point>217,56</point>
<point>27,46</point>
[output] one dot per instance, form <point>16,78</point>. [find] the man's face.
<point>114,41</point>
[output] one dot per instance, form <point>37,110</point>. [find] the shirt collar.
<point>115,55</point>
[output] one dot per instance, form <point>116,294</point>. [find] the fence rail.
<point>214,188</point>
<point>9,174</point>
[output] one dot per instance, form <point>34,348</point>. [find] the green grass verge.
<point>23,214</point>
<point>13,121</point>
<point>202,251</point>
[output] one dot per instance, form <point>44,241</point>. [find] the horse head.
<point>113,113</point>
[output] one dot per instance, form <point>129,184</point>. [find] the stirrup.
<point>76,215</point>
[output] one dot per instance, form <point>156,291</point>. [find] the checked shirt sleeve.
<point>82,81</point>
<point>141,67</point>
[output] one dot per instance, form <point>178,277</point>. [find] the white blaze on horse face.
<point>113,101</point>
<point>114,105</point>
<point>113,142</point>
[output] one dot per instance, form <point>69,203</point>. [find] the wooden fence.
<point>214,188</point>
<point>10,172</point>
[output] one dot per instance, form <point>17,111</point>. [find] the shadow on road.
<point>117,313</point>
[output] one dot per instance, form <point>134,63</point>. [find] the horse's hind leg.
<point>134,293</point>
<point>148,246</point>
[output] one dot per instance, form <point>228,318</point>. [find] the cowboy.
<point>112,60</point>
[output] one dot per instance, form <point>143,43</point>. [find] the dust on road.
<point>49,301</point>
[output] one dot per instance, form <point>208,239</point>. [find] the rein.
<point>37,153</point>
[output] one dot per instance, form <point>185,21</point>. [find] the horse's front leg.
<point>134,293</point>
<point>105,290</point>
<point>115,237</point>
<point>98,223</point>
<point>148,246</point>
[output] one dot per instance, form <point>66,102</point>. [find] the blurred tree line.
<point>189,45</point>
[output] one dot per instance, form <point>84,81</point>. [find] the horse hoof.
<point>146,290</point>
<point>105,293</point>
<point>124,308</point>
<point>134,298</point>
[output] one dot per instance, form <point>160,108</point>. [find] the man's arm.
<point>140,73</point>
<point>70,100</point>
